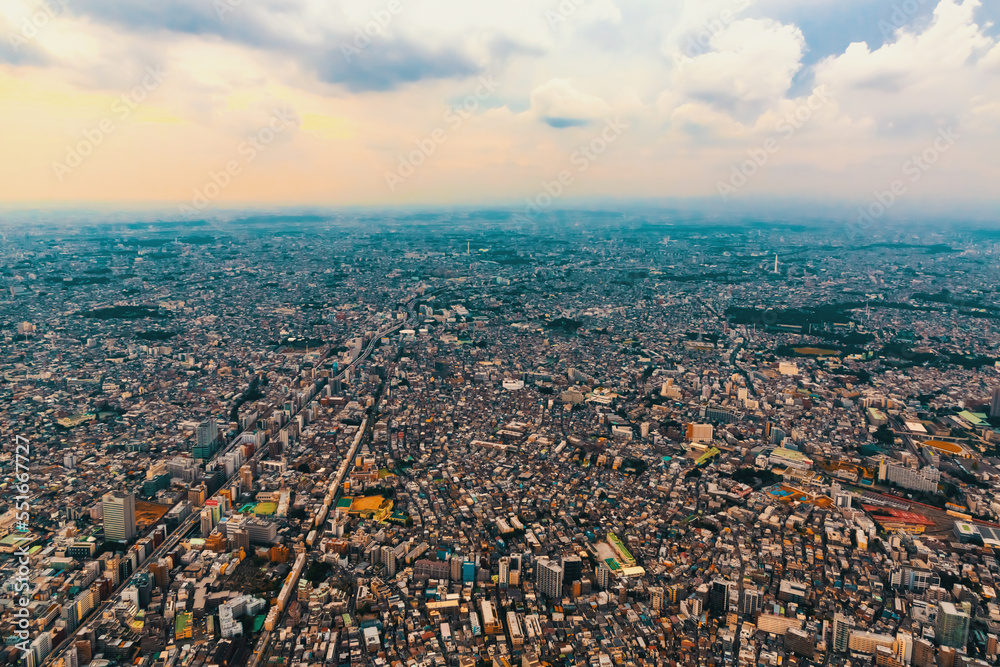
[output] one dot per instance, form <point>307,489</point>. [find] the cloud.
<point>748,65</point>
<point>934,72</point>
<point>699,83</point>
<point>364,51</point>
<point>560,105</point>
<point>388,65</point>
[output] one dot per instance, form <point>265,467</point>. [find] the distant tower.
<point>995,403</point>
<point>775,262</point>
<point>468,247</point>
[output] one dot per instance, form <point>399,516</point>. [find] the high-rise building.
<point>656,598</point>
<point>695,605</point>
<point>160,570</point>
<point>119,516</point>
<point>208,432</point>
<point>514,578</point>
<point>718,596</point>
<point>456,567</point>
<point>904,647</point>
<point>992,645</point>
<point>246,479</point>
<point>504,578</point>
<point>603,576</point>
<point>572,568</point>
<point>952,626</point>
<point>800,642</point>
<point>207,437</point>
<point>241,540</point>
<point>207,522</point>
<point>41,646</point>
<point>995,403</point>
<point>389,560</point>
<point>923,653</point>
<point>751,602</point>
<point>548,578</point>
<point>83,650</point>
<point>841,633</point>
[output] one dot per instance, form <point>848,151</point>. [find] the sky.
<point>203,104</point>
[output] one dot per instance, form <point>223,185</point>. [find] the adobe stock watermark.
<point>786,127</point>
<point>902,13</point>
<point>913,169</point>
<point>33,24</point>
<point>22,535</point>
<point>363,35</point>
<point>248,150</point>
<point>582,159</point>
<point>121,109</point>
<point>455,117</point>
<point>699,43</point>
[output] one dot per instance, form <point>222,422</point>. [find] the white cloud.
<point>931,73</point>
<point>749,66</point>
<point>559,103</point>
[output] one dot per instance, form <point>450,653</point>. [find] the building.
<point>207,438</point>
<point>925,479</point>
<point>718,596</point>
<point>656,598</point>
<point>389,560</point>
<point>572,568</point>
<point>431,569</point>
<point>515,630</point>
<point>952,625</point>
<point>995,403</point>
<point>207,522</point>
<point>549,578</point>
<point>717,414</point>
<point>862,641</point>
<point>751,603</point>
<point>800,643</point>
<point>491,623</point>
<point>904,647</point>
<point>514,571</point>
<point>699,432</point>
<point>841,633</point>
<point>261,531</point>
<point>912,579</point>
<point>603,576</point>
<point>789,458</point>
<point>504,578</point>
<point>777,625</point>
<point>119,516</point>
<point>469,572</point>
<point>923,653</point>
